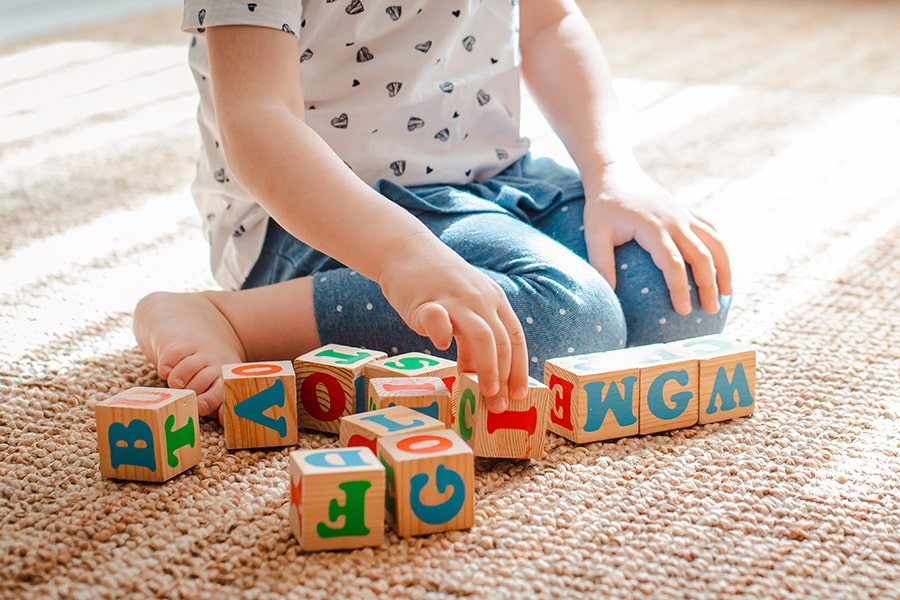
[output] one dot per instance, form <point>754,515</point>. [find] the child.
<point>364,182</point>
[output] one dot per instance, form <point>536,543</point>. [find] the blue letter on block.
<point>344,457</point>
<point>129,453</point>
<point>390,425</point>
<point>436,514</point>
<point>433,410</point>
<point>726,390</point>
<point>253,407</point>
<point>620,404</point>
<point>657,402</point>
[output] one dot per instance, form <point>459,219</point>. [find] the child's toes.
<point>209,401</point>
<point>171,357</point>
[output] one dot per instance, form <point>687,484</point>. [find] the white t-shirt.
<point>415,91</point>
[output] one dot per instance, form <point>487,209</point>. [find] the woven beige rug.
<point>781,120</point>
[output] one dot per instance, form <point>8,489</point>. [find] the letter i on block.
<point>595,396</point>
<point>337,498</point>
<point>330,384</point>
<point>364,429</point>
<point>727,376</point>
<point>427,395</point>
<point>518,432</point>
<point>414,364</point>
<point>148,434</point>
<point>670,386</point>
<point>430,482</point>
<point>260,405</point>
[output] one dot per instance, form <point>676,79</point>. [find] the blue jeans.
<point>524,228</point>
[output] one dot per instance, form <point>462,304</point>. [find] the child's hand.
<point>443,297</point>
<point>626,205</point>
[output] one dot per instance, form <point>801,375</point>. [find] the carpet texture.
<point>779,120</point>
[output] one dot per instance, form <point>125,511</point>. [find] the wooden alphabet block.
<point>430,482</point>
<point>259,403</point>
<point>670,386</point>
<point>148,434</point>
<point>330,384</point>
<point>595,396</point>
<point>415,364</point>
<point>364,429</point>
<point>427,395</point>
<point>727,376</point>
<point>337,498</point>
<point>518,432</point>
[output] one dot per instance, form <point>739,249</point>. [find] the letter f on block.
<point>254,407</point>
<point>353,510</point>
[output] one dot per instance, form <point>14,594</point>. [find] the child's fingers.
<point>710,237</point>
<point>601,249</point>
<point>518,365</point>
<point>696,254</point>
<point>666,255</point>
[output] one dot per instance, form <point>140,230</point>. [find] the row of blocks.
<point>152,434</point>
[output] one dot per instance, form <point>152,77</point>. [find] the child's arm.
<point>312,194</point>
<point>566,71</point>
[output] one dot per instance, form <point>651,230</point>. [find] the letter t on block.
<point>148,434</point>
<point>259,405</point>
<point>337,498</point>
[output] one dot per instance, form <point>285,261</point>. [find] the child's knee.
<point>570,316</point>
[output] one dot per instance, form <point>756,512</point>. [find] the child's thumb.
<point>433,321</point>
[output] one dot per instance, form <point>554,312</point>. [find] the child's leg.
<point>190,336</point>
<point>563,303</point>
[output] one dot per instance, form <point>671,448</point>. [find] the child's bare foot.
<point>189,339</point>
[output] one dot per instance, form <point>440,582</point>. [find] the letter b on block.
<point>337,498</point>
<point>148,434</point>
<point>430,482</point>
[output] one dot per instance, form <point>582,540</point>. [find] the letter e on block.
<point>518,432</point>
<point>330,384</point>
<point>727,376</point>
<point>594,397</point>
<point>259,405</point>
<point>430,482</point>
<point>364,429</point>
<point>148,434</point>
<point>337,498</point>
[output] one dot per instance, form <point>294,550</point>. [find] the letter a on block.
<point>254,408</point>
<point>259,405</point>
